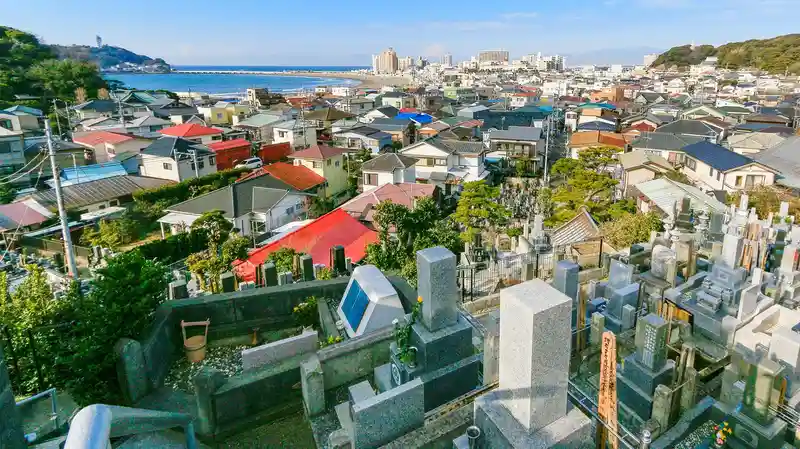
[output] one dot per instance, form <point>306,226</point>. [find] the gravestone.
<point>269,274</point>
<point>491,349</point>
<point>307,267</point>
<point>436,271</point>
<point>732,247</point>
<point>131,370</point>
<point>228,282</point>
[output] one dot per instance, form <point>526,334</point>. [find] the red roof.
<point>315,239</point>
<point>190,130</point>
<point>643,126</point>
<point>408,110</point>
<point>297,176</point>
<point>526,94</point>
<point>228,144</point>
<point>318,152</point>
<point>19,214</point>
<point>97,137</point>
<point>363,205</point>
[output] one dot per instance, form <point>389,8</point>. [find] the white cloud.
<point>434,50</point>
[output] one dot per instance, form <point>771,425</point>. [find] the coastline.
<point>365,81</point>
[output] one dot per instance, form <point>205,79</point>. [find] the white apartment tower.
<point>447,60</point>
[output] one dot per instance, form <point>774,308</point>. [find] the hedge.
<point>182,191</point>
<point>175,247</point>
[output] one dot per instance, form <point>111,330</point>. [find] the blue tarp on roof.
<point>716,156</point>
<point>597,126</point>
<point>86,173</point>
<point>610,107</point>
<point>417,117</point>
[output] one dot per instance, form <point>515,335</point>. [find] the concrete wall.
<point>353,359</point>
<point>389,415</point>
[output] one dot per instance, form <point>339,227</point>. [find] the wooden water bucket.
<point>195,346</point>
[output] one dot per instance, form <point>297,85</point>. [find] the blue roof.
<point>596,126</point>
<point>610,107</point>
<point>24,110</point>
<point>417,117</point>
<point>716,156</point>
<point>85,173</point>
<point>546,108</point>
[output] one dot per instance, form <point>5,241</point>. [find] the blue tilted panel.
<point>354,304</point>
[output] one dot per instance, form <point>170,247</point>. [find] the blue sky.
<point>347,32</point>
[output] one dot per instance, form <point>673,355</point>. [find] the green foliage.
<point>175,247</point>
<point>234,248</point>
<point>354,169</point>
<point>215,225</point>
<point>19,52</point>
<point>324,273</point>
<point>75,336</point>
<point>7,193</point>
<point>768,199</point>
<point>305,313</point>
<point>320,206</point>
<point>330,341</point>
<point>586,184</point>
<point>106,56</point>
<point>479,208</point>
<point>514,232</point>
<point>168,195</point>
<point>207,266</point>
<point>112,233</point>
<point>414,230</point>
<point>60,78</point>
<point>522,167</point>
<point>775,55</point>
<point>630,228</point>
<point>678,176</point>
<point>284,259</point>
<point>402,335</point>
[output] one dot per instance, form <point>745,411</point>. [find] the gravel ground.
<point>227,359</point>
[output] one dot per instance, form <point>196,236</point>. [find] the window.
<point>290,210</point>
<point>441,162</point>
<point>200,164</point>
<point>328,163</point>
<point>282,134</point>
<point>114,202</point>
<point>710,171</point>
<point>5,147</point>
<point>370,179</point>
<point>257,227</point>
<point>316,164</point>
<point>167,166</point>
<point>691,163</point>
<point>219,115</point>
<point>738,181</point>
<point>719,175</point>
<point>6,124</point>
<point>212,160</point>
<point>654,152</point>
<point>430,162</point>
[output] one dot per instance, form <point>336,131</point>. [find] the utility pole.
<point>62,212</point>
<point>196,168</point>
<point>58,122</point>
<point>547,149</point>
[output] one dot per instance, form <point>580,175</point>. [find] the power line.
<point>24,213</point>
<point>3,180</point>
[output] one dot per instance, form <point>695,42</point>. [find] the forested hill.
<point>775,55</point>
<point>107,56</point>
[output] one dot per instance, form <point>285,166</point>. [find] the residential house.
<point>695,128</point>
<point>230,152</point>
<point>23,123</point>
<point>522,99</point>
<point>714,167</point>
<point>298,133</point>
<point>255,206</point>
<point>344,91</point>
<point>432,129</point>
<point>12,154</point>
<point>420,119</point>
<point>705,111</point>
<point>176,111</point>
<point>398,100</point>
<point>465,95</point>
<point>770,119</point>
<point>223,112</point>
<point>328,162</point>
<point>274,152</point>
<point>68,154</point>
<point>21,217</point>
<point>100,108</point>
<point>27,117</point>
<point>316,239</point>
<point>105,146</point>
<point>590,139</point>
<point>660,195</point>
<point>176,159</point>
<point>86,173</point>
<point>749,144</point>
<point>398,129</point>
<point>388,168</point>
<point>259,126</point>
<point>363,137</point>
<point>260,98</point>
<point>784,158</point>
<point>639,166</point>
<point>298,177</point>
<point>381,112</point>
<point>98,194</point>
<point>735,113</point>
<point>356,105</point>
<point>445,161</point>
<point>362,207</point>
<point>194,133</point>
<point>325,117</point>
<point>517,142</point>
<point>666,145</point>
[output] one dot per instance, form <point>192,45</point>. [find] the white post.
<point>196,168</point>
<point>62,212</point>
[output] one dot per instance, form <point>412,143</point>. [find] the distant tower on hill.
<point>99,41</point>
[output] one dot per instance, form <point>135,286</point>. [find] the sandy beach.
<point>367,81</point>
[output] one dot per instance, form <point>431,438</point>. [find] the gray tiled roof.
<point>223,199</point>
<point>664,141</point>
<point>389,162</point>
<point>456,146</point>
<point>167,146</point>
<point>106,189</point>
<point>526,133</point>
<point>785,158</point>
<point>694,127</point>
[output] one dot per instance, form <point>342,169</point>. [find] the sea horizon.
<point>233,83</point>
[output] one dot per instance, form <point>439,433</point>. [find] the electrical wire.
<point>24,213</point>
<point>25,174</point>
<point>2,180</point>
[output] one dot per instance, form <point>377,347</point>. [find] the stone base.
<point>748,433</point>
<point>616,325</point>
<point>636,384</point>
<point>400,371</point>
<point>499,430</point>
<point>383,377</point>
<point>461,442</point>
<point>443,347</point>
<point>445,384</point>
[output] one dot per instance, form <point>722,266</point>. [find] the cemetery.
<point>690,339</point>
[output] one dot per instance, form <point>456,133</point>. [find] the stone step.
<point>165,439</point>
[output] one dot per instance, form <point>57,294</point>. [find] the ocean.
<point>221,84</point>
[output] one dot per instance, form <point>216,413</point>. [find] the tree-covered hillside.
<point>30,68</point>
<point>107,56</point>
<point>775,55</point>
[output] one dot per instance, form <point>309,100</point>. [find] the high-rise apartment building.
<point>493,56</point>
<point>447,60</point>
<point>387,62</point>
<point>405,63</point>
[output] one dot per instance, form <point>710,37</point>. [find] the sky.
<point>347,32</point>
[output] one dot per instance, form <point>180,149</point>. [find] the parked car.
<point>251,163</point>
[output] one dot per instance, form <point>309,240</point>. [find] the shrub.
<point>174,248</point>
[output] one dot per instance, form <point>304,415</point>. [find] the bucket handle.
<point>184,324</point>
